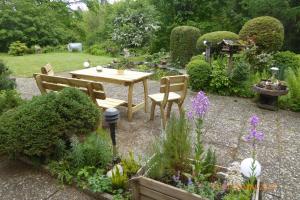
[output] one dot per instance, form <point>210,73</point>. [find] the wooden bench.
<point>95,90</point>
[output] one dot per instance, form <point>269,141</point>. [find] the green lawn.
<point>25,66</point>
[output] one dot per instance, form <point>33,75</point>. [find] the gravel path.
<point>225,125</point>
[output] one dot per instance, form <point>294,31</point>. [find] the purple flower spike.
<point>200,105</point>
<point>254,120</point>
<point>190,182</point>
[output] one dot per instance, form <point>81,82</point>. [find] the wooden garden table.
<point>129,78</point>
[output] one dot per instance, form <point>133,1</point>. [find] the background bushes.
<point>17,48</point>
<point>199,72</point>
<point>183,43</point>
<point>9,99</point>
<point>215,38</point>
<point>267,33</point>
<point>34,128</point>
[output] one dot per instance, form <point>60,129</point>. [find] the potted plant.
<point>180,168</point>
<point>122,64</point>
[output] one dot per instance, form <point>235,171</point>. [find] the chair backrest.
<point>55,83</point>
<point>176,84</point>
<point>48,70</point>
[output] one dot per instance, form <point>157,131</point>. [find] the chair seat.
<point>159,97</point>
<point>109,103</point>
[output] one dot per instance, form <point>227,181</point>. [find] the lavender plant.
<point>204,164</point>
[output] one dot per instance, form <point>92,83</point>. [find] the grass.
<point>25,66</point>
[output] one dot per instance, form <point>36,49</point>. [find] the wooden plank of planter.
<point>158,190</point>
<point>96,195</point>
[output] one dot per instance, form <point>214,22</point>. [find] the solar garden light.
<point>111,117</point>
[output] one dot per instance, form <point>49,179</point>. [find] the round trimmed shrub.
<point>215,38</point>
<point>199,72</point>
<point>36,127</point>
<point>267,33</point>
<point>183,43</point>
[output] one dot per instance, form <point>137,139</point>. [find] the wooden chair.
<point>95,90</point>
<point>48,70</point>
<point>169,88</point>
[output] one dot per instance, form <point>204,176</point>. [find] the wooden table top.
<point>106,73</point>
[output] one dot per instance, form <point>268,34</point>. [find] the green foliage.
<point>17,49</point>
<point>5,82</point>
<point>205,190</point>
<point>239,195</point>
<point>34,128</point>
<point>173,151</point>
<point>134,22</point>
<point>292,100</point>
<point>100,183</point>
<point>9,99</point>
<point>215,38</point>
<point>130,165</point>
<point>220,81</point>
<point>199,72</point>
<point>183,43</point>
<point>94,151</point>
<point>96,50</point>
<point>118,179</point>
<point>51,49</point>
<point>285,60</point>
<point>61,169</point>
<point>267,33</point>
<point>37,22</point>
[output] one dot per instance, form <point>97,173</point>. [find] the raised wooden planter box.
<point>96,195</point>
<point>144,188</point>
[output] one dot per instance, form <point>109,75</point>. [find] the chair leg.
<point>163,116</point>
<point>180,108</point>
<point>152,110</point>
<point>169,109</point>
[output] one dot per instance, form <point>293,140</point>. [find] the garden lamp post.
<point>207,51</point>
<point>111,117</point>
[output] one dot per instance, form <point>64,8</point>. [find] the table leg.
<point>130,95</point>
<point>145,83</point>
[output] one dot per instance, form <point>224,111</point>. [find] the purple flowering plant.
<point>254,135</point>
<point>199,107</point>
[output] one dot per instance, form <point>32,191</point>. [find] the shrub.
<point>96,50</point>
<point>34,128</point>
<point>9,99</point>
<point>6,83</point>
<point>51,49</point>
<point>199,72</point>
<point>267,33</point>
<point>285,60</point>
<point>17,48</point>
<point>183,43</point>
<point>215,38</point>
<point>220,81</point>
<point>240,71</point>
<point>94,151</point>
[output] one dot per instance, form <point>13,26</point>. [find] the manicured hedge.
<point>285,60</point>
<point>34,128</point>
<point>267,33</point>
<point>183,43</point>
<point>215,38</point>
<point>199,72</point>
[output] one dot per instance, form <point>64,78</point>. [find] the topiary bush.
<point>215,38</point>
<point>17,48</point>
<point>183,43</point>
<point>267,33</point>
<point>34,128</point>
<point>285,60</point>
<point>199,72</point>
<point>6,83</point>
